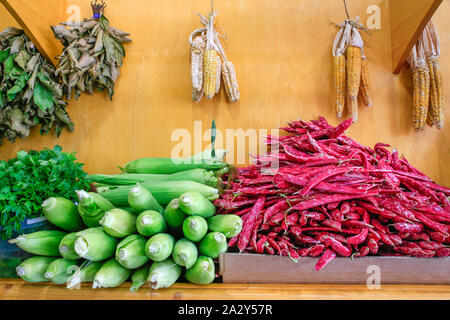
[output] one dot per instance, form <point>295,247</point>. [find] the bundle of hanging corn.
<point>350,69</point>
<point>92,54</point>
<point>427,95</point>
<point>208,61</point>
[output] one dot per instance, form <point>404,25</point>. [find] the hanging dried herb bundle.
<point>92,56</point>
<point>209,63</point>
<point>29,91</point>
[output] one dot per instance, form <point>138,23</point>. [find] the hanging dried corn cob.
<point>421,84</point>
<point>428,101</point>
<point>198,46</point>
<point>339,74</point>
<point>432,51</point>
<point>209,62</point>
<point>92,55</point>
<point>350,70</point>
<point>354,71</point>
<point>365,89</point>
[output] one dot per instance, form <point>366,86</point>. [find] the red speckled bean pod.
<point>326,258</point>
<point>338,247</point>
<point>316,250</point>
<point>244,236</point>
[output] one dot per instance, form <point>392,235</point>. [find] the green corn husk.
<point>206,155</point>
<point>139,277</point>
<point>95,244</point>
<point>194,203</point>
<point>111,275</point>
<point>67,247</point>
<point>185,253</point>
<point>213,244</point>
<point>42,243</point>
<point>228,224</point>
<point>202,176</point>
<point>129,209</point>
<point>150,222</point>
<point>33,269</point>
<point>86,273</point>
<point>130,252</point>
<point>60,270</point>
<point>163,191</point>
<point>101,189</point>
<point>203,271</point>
<point>62,213</point>
<point>119,223</point>
<point>163,274</point>
<point>173,215</point>
<point>140,199</point>
<point>168,165</point>
<point>92,207</point>
<point>195,228</point>
<point>160,246</point>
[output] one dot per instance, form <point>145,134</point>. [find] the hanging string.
<point>346,11</point>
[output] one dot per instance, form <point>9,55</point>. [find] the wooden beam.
<point>35,18</point>
<point>408,19</point>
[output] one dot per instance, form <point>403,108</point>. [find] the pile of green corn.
<point>150,231</point>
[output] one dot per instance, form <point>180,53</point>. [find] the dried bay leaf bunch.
<point>92,56</point>
<point>30,94</point>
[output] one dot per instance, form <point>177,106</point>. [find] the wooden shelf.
<point>408,19</point>
<point>35,19</point>
<point>13,289</point>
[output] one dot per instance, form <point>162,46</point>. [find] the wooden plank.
<point>408,19</point>
<point>7,20</point>
<point>283,67</point>
<point>35,19</point>
<point>277,269</point>
<point>13,289</point>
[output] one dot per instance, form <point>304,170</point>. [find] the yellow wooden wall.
<point>282,53</point>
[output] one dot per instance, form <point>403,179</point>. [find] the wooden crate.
<point>255,268</point>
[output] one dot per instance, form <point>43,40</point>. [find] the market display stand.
<point>18,289</point>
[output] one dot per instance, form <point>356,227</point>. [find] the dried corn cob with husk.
<point>215,63</point>
<point>230,82</point>
<point>339,83</point>
<point>219,69</point>
<point>353,78</point>
<point>353,61</point>
<point>439,115</point>
<point>432,50</point>
<point>210,73</point>
<point>339,68</point>
<point>365,89</point>
<point>421,84</point>
<point>198,46</point>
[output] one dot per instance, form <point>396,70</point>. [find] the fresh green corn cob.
<point>163,191</point>
<point>95,245</point>
<point>33,269</point>
<point>42,243</point>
